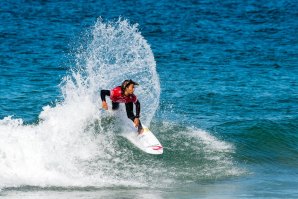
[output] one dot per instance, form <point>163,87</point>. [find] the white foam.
<point>217,152</point>
<point>68,147</point>
<point>211,142</point>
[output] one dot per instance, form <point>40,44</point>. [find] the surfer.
<point>124,94</point>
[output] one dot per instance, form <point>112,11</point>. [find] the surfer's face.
<point>130,89</point>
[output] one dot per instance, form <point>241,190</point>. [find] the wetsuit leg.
<point>115,105</point>
<point>130,114</point>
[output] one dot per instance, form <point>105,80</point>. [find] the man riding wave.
<point>124,94</point>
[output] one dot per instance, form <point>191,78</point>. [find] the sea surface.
<point>218,87</point>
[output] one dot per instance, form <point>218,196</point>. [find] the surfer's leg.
<point>130,115</point>
<point>115,105</point>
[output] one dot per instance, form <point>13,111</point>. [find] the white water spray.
<point>69,146</point>
<point>117,51</point>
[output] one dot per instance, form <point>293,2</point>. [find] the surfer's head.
<point>128,86</point>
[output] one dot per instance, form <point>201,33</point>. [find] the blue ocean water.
<point>219,84</point>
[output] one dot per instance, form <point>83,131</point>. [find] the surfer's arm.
<point>103,94</point>
<point>138,109</point>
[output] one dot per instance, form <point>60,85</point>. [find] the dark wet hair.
<point>126,84</point>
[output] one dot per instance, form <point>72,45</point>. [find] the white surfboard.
<point>146,141</point>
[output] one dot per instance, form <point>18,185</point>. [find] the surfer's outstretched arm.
<point>103,94</point>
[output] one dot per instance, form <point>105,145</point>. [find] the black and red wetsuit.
<point>117,96</point>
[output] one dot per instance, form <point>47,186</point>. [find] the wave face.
<point>271,144</point>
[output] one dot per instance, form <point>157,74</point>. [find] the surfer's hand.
<point>104,105</point>
<point>136,122</point>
